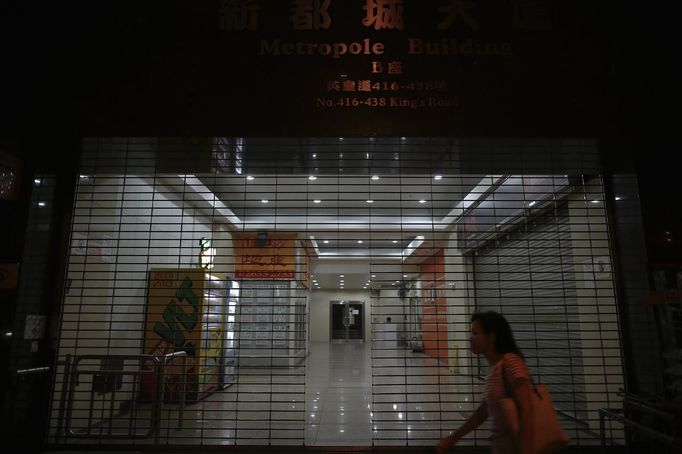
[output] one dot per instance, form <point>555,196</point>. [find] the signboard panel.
<point>361,67</point>
<point>273,258</point>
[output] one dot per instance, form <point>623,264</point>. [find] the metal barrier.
<point>624,416</point>
<point>117,422</point>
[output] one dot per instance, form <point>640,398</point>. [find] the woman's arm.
<point>475,420</point>
<point>522,394</point>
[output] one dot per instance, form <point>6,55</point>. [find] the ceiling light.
<point>250,177</point>
<point>37,181</point>
<point>618,198</point>
<point>264,201</point>
<point>393,284</point>
<point>422,201</point>
<point>312,178</point>
<point>359,241</point>
<point>438,177</point>
<point>340,138</point>
<point>83,177</point>
<point>594,201</point>
<point>374,275</point>
<point>317,201</point>
<point>531,203</point>
<point>314,155</point>
<point>404,275</point>
<point>370,201</point>
<point>341,275</point>
<point>41,204</point>
<point>367,155</point>
<point>375,177</point>
<point>403,138</point>
<point>326,241</point>
<point>395,241</point>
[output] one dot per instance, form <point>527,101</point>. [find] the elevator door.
<point>347,320</point>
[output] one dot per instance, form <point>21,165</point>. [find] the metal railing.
<point>117,422</point>
<point>628,420</point>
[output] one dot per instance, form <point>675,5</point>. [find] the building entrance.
<point>347,320</point>
<point>206,280</point>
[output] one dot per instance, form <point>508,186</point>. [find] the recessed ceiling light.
<point>393,284</point>
<point>37,181</point>
<point>531,203</point>
<point>264,201</point>
<point>370,201</point>
<point>312,178</point>
<point>422,201</point>
<point>250,178</point>
<point>438,177</point>
<point>326,241</point>
<point>314,155</point>
<point>367,155</point>
<point>594,201</point>
<point>404,275</point>
<point>317,201</point>
<point>42,204</point>
<point>359,241</point>
<point>340,138</point>
<point>83,177</point>
<point>395,241</point>
<point>374,275</point>
<point>618,198</point>
<point>375,177</point>
<point>341,275</point>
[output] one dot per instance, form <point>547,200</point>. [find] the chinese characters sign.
<point>276,259</point>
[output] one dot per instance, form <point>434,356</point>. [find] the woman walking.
<point>508,376</point>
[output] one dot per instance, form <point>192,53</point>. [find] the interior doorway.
<point>347,322</point>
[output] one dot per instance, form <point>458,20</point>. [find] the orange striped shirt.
<point>515,371</point>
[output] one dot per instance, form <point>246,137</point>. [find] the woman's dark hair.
<point>492,322</point>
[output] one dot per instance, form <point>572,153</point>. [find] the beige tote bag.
<point>548,435</point>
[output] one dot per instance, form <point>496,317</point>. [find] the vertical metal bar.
<point>181,416</point>
<point>62,399</point>
<point>156,414</point>
<point>133,410</point>
<point>602,432</point>
<point>90,410</point>
<point>112,404</point>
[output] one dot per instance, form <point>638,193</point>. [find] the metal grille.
<point>201,274</point>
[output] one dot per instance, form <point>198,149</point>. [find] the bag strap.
<point>507,388</point>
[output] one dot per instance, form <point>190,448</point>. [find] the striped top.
<point>516,371</point>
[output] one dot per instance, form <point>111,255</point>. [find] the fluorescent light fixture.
<point>250,177</point>
<point>83,177</point>
<point>414,244</point>
<point>375,177</point>
<point>438,177</point>
<point>341,275</point>
<point>531,203</point>
<point>317,201</point>
<point>370,201</point>
<point>395,241</point>
<point>594,201</point>
<point>265,201</point>
<point>422,201</point>
<point>312,178</point>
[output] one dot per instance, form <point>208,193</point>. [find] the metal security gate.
<point>227,252</point>
<point>528,276</point>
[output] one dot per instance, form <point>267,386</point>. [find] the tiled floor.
<point>345,394</point>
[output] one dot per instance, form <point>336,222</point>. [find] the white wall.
<point>319,311</point>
